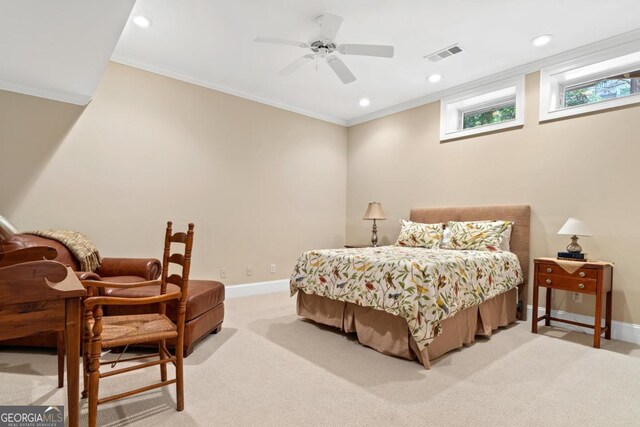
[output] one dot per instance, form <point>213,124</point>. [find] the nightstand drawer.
<point>582,273</point>
<point>566,283</point>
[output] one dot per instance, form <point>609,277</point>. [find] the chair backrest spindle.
<point>183,260</point>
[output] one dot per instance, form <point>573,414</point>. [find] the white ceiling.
<point>211,42</point>
<point>58,49</point>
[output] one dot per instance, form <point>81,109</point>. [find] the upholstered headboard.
<point>519,214</point>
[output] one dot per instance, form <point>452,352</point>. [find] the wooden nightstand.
<point>593,278</point>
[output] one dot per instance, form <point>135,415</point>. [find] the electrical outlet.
<point>223,273</point>
<point>577,297</point>
<point>249,270</point>
<point>273,269</point>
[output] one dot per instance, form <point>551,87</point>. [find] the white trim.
<point>451,107</point>
<point>167,72</point>
<point>55,95</point>
<point>621,41</point>
<point>622,331</point>
<point>552,79</point>
<point>257,288</point>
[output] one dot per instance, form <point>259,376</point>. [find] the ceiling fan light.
<point>435,78</point>
<point>364,102</point>
<point>141,21</point>
<point>541,40</point>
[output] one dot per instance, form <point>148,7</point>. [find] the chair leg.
<point>179,377</point>
<point>61,352</point>
<point>94,366</point>
<point>163,366</point>
<point>86,349</point>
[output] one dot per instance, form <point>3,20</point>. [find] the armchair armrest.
<point>86,275</point>
<point>147,268</point>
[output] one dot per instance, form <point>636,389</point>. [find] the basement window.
<point>589,84</point>
<point>485,109</point>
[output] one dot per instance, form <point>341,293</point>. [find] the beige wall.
<point>585,167</point>
<point>261,184</point>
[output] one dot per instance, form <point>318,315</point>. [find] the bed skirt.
<point>390,335</point>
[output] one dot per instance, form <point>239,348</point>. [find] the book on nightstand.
<point>570,256</point>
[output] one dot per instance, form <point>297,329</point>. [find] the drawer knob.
<point>548,281</point>
<point>581,286</point>
<point>549,270</point>
<point>582,274</point>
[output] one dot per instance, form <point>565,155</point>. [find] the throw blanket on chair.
<point>78,244</point>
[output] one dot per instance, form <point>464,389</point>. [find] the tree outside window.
<point>602,90</point>
<point>474,119</point>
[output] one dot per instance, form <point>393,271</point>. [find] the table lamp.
<point>574,228</point>
<point>374,212</point>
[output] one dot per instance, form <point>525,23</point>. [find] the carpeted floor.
<point>268,367</point>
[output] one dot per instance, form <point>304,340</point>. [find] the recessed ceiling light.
<point>141,21</point>
<point>364,102</point>
<point>435,78</point>
<point>541,40</point>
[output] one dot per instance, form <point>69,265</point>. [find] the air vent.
<point>444,53</point>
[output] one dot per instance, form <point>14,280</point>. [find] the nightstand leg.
<point>597,330</point>
<point>547,310</point>
<point>607,334</point>
<point>534,310</point>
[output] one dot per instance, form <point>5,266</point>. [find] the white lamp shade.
<point>574,227</point>
<point>374,211</point>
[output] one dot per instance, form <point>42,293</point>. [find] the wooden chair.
<point>115,331</point>
<point>37,253</point>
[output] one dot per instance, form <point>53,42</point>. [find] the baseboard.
<point>622,331</point>
<point>257,288</point>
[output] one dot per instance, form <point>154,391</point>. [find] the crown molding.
<point>168,72</point>
<point>622,42</point>
<point>55,95</point>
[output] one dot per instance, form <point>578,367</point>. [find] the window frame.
<point>554,82</point>
<point>455,107</point>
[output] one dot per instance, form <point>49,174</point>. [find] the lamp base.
<point>374,235</point>
<point>574,247</point>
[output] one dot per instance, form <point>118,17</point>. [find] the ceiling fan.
<point>325,47</point>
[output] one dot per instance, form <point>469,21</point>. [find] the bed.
<point>389,313</point>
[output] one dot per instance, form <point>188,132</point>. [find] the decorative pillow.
<point>476,235</point>
<point>505,245</point>
<point>420,235</point>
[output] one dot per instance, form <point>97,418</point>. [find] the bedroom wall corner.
<point>261,184</point>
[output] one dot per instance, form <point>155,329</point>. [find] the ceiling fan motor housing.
<point>323,46</point>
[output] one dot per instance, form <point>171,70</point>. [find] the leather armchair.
<point>112,270</point>
<point>205,301</point>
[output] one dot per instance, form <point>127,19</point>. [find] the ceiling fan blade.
<point>280,41</point>
<point>366,49</point>
<point>296,65</point>
<point>340,69</point>
<point>330,25</point>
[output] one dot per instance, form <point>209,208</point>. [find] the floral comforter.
<point>424,286</point>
